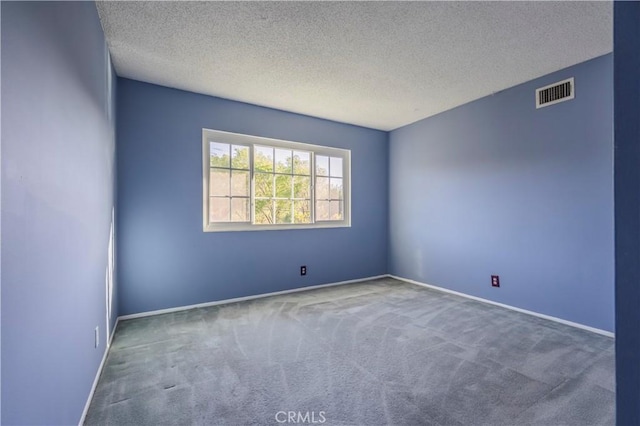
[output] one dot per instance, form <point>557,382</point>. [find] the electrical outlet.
<point>97,336</point>
<point>495,281</point>
<point>303,270</point>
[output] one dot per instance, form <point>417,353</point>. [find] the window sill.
<point>229,227</point>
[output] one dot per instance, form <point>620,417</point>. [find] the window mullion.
<point>229,188</point>
<point>313,187</point>
<point>292,194</point>
<point>274,219</point>
<point>273,195</point>
<point>252,192</point>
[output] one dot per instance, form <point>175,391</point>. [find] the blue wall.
<point>166,260</point>
<point>491,187</point>
<point>627,200</point>
<point>58,166</point>
<point>498,187</point>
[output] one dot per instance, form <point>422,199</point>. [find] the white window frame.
<point>209,135</point>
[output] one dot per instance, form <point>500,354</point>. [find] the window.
<point>255,183</point>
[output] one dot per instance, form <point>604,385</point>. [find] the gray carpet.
<point>380,352</point>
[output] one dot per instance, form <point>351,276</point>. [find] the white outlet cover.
<point>97,336</point>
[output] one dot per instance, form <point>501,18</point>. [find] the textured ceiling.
<point>374,64</point>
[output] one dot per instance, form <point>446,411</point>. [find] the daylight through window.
<point>254,183</point>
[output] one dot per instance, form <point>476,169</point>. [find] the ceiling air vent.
<point>557,92</point>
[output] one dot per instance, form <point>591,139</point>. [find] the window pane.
<point>263,158</point>
<point>240,157</point>
<point>322,210</point>
<point>283,186</point>
<point>301,163</point>
<point>301,187</point>
<point>218,209</point>
<point>283,161</point>
<point>264,185</point>
<point>302,211</point>
<point>264,212</point>
<point>219,182</point>
<point>258,181</point>
<point>219,154</point>
<point>322,188</point>
<point>283,211</point>
<point>322,165</point>
<point>239,209</point>
<point>336,188</point>
<point>336,167</point>
<point>335,210</point>
<point>240,183</point>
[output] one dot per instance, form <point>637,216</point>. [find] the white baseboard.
<point>296,290</point>
<point>241,299</point>
<point>513,308</point>
<point>95,380</point>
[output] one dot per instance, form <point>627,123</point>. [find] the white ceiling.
<point>375,64</point>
